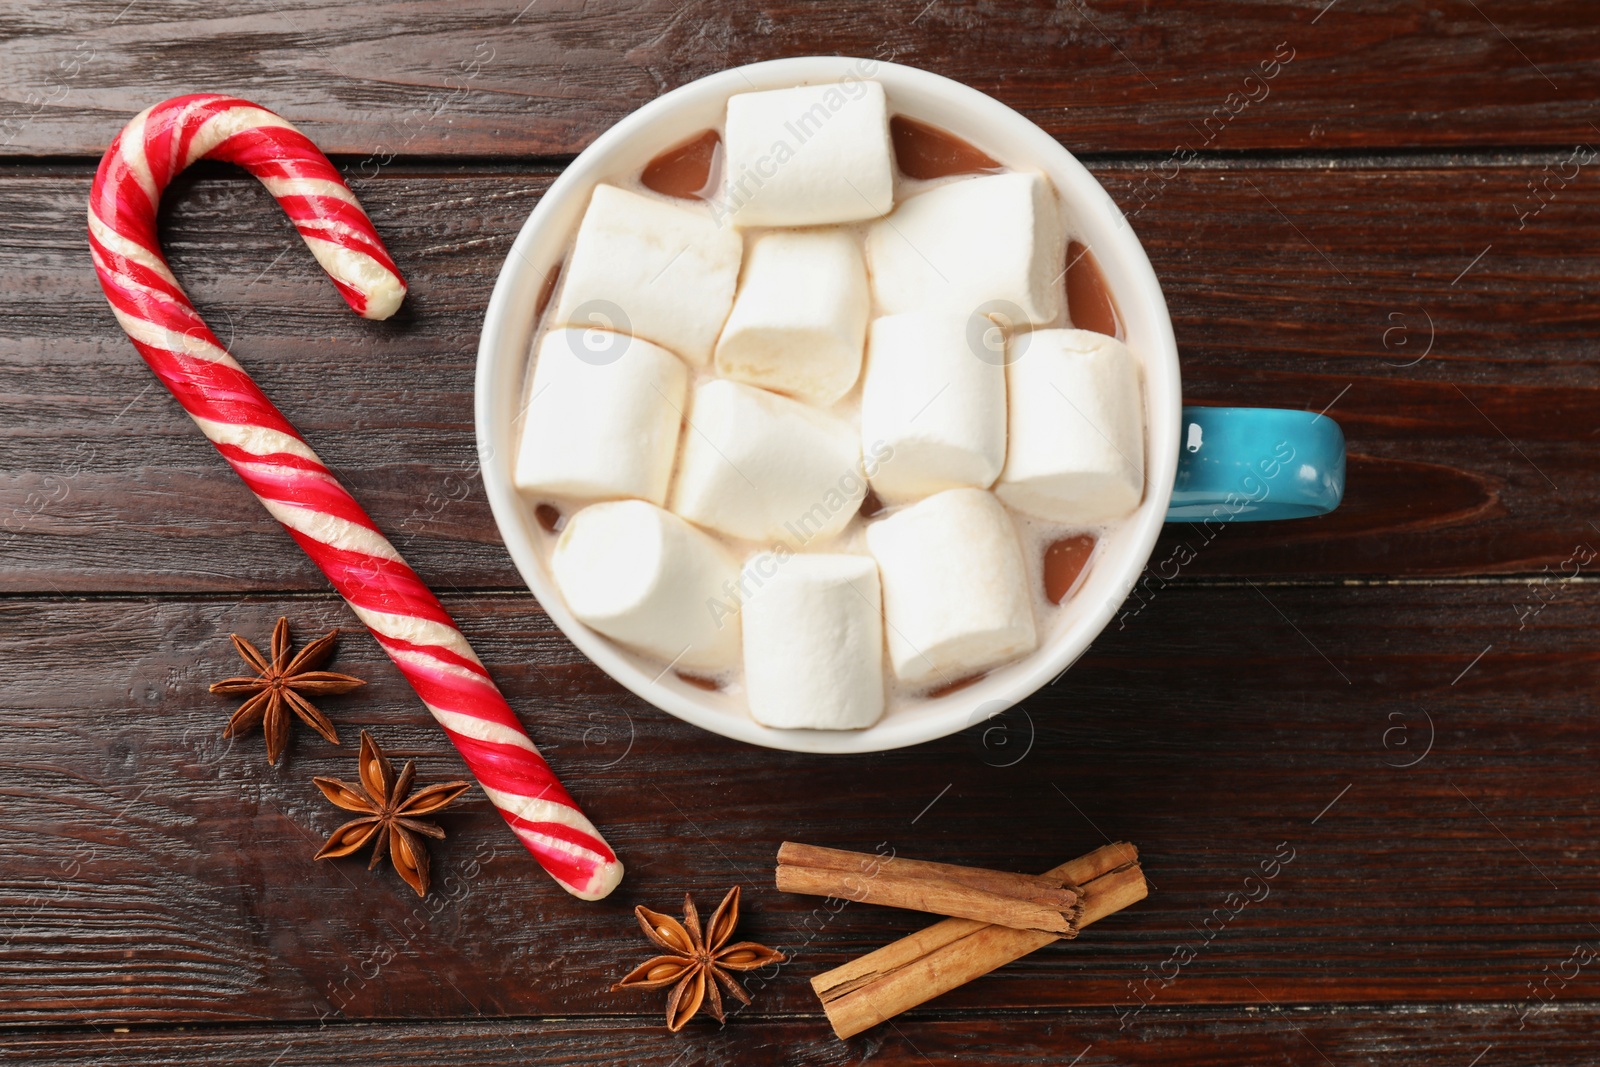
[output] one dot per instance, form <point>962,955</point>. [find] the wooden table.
<point>1401,233</point>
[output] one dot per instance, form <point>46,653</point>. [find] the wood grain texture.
<point>1413,821</point>
<point>1395,1037</point>
<point>1380,698</point>
<point>509,77</point>
<point>1289,286</point>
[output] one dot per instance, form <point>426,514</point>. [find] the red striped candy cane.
<point>283,471</point>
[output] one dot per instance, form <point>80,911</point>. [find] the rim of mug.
<point>505,346</point>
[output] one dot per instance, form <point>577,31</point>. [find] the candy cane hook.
<point>282,470</point>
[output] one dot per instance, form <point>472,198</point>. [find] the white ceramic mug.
<point>1091,217</point>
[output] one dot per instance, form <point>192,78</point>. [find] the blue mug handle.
<point>1255,464</point>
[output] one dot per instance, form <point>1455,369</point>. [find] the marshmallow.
<point>648,580</point>
<point>813,641</point>
<point>992,245</point>
<point>766,468</point>
<point>807,156</point>
<point>955,589</point>
<point>800,318</point>
<point>1077,427</point>
<point>603,418</point>
<point>935,401</point>
<point>645,267</point>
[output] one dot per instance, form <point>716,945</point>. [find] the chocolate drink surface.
<point>800,492</point>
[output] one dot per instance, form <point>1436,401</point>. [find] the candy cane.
<point>282,470</point>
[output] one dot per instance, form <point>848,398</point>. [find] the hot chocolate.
<point>830,410</point>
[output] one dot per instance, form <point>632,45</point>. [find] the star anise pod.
<point>388,814</point>
<point>278,685</point>
<point>696,963</point>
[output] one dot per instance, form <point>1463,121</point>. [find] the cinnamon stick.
<point>1019,901</point>
<point>1044,889</point>
<point>941,957</point>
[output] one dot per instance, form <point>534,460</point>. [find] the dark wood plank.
<point>1428,764</point>
<point>395,398</point>
<point>514,78</point>
<point>1289,286</point>
<point>1408,1036</point>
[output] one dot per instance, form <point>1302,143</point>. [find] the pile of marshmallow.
<point>695,397</point>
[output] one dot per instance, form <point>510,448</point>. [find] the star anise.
<point>387,814</point>
<point>695,963</point>
<point>278,685</point>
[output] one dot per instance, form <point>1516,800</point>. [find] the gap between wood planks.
<point>1088,1015</point>
<point>513,591</point>
<point>1453,158</point>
